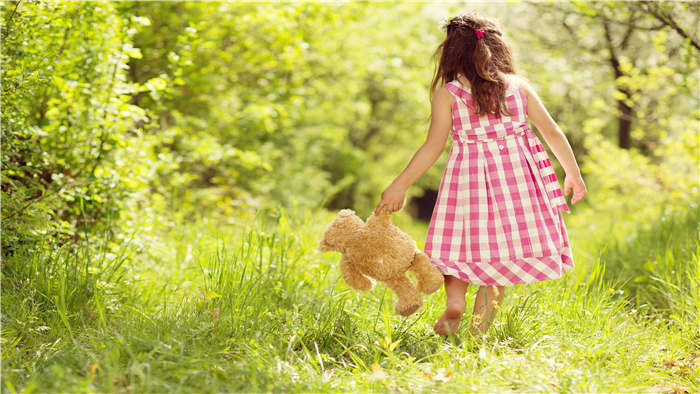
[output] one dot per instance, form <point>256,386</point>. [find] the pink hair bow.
<point>479,33</point>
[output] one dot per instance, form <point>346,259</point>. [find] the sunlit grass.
<point>265,310</point>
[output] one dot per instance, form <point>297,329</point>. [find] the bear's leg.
<point>353,277</point>
<point>429,277</point>
<point>409,299</point>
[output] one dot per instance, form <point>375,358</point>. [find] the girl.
<point>497,219</point>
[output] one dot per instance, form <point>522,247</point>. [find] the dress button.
<point>500,147</point>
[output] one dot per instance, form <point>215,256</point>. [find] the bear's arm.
<point>352,276</point>
<point>384,218</point>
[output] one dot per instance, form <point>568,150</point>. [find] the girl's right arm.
<point>557,141</point>
<point>394,195</point>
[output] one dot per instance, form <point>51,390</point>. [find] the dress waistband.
<point>496,135</point>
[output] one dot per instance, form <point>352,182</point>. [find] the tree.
<point>65,114</point>
<point>625,29</point>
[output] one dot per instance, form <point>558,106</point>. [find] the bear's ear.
<point>346,212</point>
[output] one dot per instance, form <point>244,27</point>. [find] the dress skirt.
<point>497,219</point>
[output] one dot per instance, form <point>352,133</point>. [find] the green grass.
<point>256,307</point>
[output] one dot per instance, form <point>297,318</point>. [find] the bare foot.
<point>449,321</point>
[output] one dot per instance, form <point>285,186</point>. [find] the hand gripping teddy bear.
<point>379,250</point>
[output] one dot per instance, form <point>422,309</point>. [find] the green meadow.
<point>258,308</point>
<point>168,169</point>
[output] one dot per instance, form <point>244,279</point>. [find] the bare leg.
<point>486,303</point>
<point>455,289</point>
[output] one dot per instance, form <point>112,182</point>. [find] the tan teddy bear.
<point>379,250</point>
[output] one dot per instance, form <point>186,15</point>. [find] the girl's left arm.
<point>557,142</point>
<point>394,195</point>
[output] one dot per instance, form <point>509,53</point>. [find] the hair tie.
<point>479,33</point>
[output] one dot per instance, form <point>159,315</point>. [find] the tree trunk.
<point>624,122</point>
<point>624,117</point>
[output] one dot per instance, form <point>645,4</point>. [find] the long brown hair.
<point>483,61</point>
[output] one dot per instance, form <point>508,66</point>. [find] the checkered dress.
<point>497,218</point>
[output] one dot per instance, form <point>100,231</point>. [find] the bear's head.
<point>338,233</point>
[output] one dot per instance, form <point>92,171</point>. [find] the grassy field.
<point>253,306</point>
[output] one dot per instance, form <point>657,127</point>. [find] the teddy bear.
<point>379,250</point>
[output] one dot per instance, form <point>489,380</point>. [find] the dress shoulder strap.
<point>516,84</point>
<point>514,81</point>
<point>455,88</point>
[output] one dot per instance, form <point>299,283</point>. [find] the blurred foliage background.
<point>118,111</point>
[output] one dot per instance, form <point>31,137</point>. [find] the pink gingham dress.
<point>497,218</point>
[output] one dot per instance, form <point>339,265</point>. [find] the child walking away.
<point>497,220</point>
